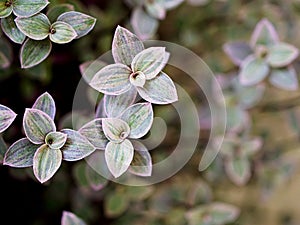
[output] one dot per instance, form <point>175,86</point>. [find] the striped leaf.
<point>46,162</point>
<point>45,103</point>
<point>27,8</point>
<point>115,130</point>
<point>282,54</point>
<point>11,30</point>
<point>20,154</point>
<point>284,78</point>
<point>7,116</point>
<point>61,33</point>
<point>37,125</point>
<point>56,140</point>
<point>141,164</point>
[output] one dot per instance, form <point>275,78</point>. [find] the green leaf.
<point>264,34</point>
<point>54,12</point>
<point>80,22</point>
<point>61,33</point>
<point>115,129</point>
<point>34,52</point>
<point>27,8</point>
<point>56,140</point>
<point>45,103</point>
<point>36,27</point>
<point>76,147</point>
<point>282,54</point>
<point>20,154</point>
<point>253,70</point>
<point>5,11</point>
<point>114,105</point>
<point>94,133</point>
<point>141,164</point>
<point>237,51</point>
<point>95,180</point>
<point>6,53</point>
<point>139,118</point>
<point>156,10</point>
<point>115,204</point>
<point>46,162</point>
<point>69,218</point>
<point>238,170</point>
<point>7,116</point>
<point>37,125</point>
<point>125,46</point>
<point>118,157</point>
<point>9,27</point>
<point>159,90</point>
<point>150,61</point>
<point>285,78</point>
<point>112,79</point>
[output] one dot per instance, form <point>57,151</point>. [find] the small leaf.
<point>5,11</point>
<point>61,33</point>
<point>139,118</point>
<point>76,147</point>
<point>20,154</point>
<point>36,27</point>
<point>118,157</point>
<point>37,125</point>
<point>238,170</point>
<point>285,78</point>
<point>125,46</point>
<point>69,218</point>
<point>81,23</point>
<point>115,130</point>
<point>112,79</point>
<point>143,25</point>
<point>34,52</point>
<point>281,55</point>
<point>237,51</point>
<point>115,204</point>
<point>94,133</point>
<point>141,164</point>
<point>56,140</point>
<point>159,90</point>
<point>253,70</point>
<point>7,116</point>
<point>171,4</point>
<point>9,27</point>
<point>156,10</point>
<point>25,8</point>
<point>95,180</point>
<point>150,61</point>
<point>57,10</point>
<point>253,146</point>
<point>45,103</point>
<point>114,105</point>
<point>46,162</point>
<point>264,34</point>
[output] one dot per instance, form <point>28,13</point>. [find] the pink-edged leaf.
<point>69,218</point>
<point>282,54</point>
<point>141,164</point>
<point>264,34</point>
<point>285,78</point>
<point>155,9</point>
<point>139,118</point>
<point>20,154</point>
<point>100,111</point>
<point>237,51</point>
<point>116,130</point>
<point>56,140</point>
<point>112,79</point>
<point>125,46</point>
<point>253,146</point>
<point>7,116</point>
<point>25,8</point>
<point>37,125</point>
<point>46,162</point>
<point>76,147</point>
<point>45,103</point>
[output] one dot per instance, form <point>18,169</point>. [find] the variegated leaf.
<point>141,164</point>
<point>34,52</point>
<point>81,23</point>
<point>5,10</point>
<point>54,12</point>
<point>282,54</point>
<point>62,33</point>
<point>114,105</point>
<point>27,8</point>
<point>37,125</point>
<point>112,79</point>
<point>284,78</point>
<point>69,218</point>
<point>9,27</point>
<point>155,9</point>
<point>125,46</point>
<point>252,146</point>
<point>237,51</point>
<point>159,90</point>
<point>238,170</point>
<point>20,154</point>
<point>45,103</point>
<point>76,147</point>
<point>7,116</point>
<point>56,140</point>
<point>150,61</point>
<point>118,157</point>
<point>36,27</point>
<point>46,162</point>
<point>94,133</point>
<point>139,118</point>
<point>115,130</point>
